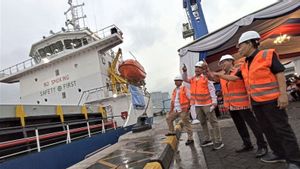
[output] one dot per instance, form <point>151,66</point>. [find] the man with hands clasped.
<point>236,100</point>
<point>264,79</point>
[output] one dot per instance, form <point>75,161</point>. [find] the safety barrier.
<point>163,159</point>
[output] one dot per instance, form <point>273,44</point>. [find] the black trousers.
<point>240,118</point>
<point>280,135</point>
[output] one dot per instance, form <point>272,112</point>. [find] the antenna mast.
<point>73,23</point>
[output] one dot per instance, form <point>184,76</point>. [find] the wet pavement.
<point>135,151</point>
<point>189,157</point>
<point>226,158</point>
<point>134,154</point>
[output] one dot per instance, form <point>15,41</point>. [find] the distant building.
<point>289,69</point>
<point>160,101</point>
<point>297,65</point>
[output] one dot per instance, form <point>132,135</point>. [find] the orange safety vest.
<point>260,82</point>
<point>183,99</point>
<point>234,92</point>
<point>200,94</point>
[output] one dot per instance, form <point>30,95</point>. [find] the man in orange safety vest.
<point>263,75</point>
<point>180,105</point>
<point>236,100</point>
<point>204,98</point>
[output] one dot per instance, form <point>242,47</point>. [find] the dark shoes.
<point>170,134</point>
<point>188,142</point>
<point>261,152</point>
<point>207,143</point>
<point>293,166</point>
<point>245,149</point>
<point>272,158</point>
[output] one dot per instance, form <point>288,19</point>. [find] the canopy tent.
<point>282,17</point>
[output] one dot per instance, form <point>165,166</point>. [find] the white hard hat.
<point>225,57</point>
<point>200,64</point>
<point>248,36</point>
<point>179,77</point>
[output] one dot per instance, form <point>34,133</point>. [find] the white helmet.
<point>200,64</point>
<point>179,77</point>
<point>248,36</point>
<point>225,57</point>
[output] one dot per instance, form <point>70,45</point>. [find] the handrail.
<point>17,67</point>
<point>51,125</point>
<point>95,90</point>
<point>104,30</point>
<point>10,143</point>
<point>16,142</point>
<point>44,146</point>
<point>87,91</point>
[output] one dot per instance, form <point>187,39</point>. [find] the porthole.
<point>57,72</point>
<point>63,94</point>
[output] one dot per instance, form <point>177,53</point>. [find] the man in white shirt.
<point>180,105</point>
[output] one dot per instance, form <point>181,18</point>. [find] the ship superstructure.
<point>65,64</point>
<point>70,90</point>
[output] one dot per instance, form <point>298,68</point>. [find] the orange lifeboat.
<point>132,70</point>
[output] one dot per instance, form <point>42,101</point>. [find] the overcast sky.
<point>152,30</point>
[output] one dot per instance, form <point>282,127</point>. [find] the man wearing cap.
<point>236,100</point>
<point>264,79</point>
<point>180,105</point>
<point>204,98</point>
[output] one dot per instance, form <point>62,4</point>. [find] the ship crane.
<point>118,83</point>
<point>196,26</point>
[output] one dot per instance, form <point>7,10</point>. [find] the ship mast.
<point>73,16</point>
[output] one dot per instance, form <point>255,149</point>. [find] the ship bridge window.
<point>68,43</point>
<point>84,41</point>
<point>51,49</point>
<point>42,53</point>
<point>77,43</point>
<point>57,47</point>
<point>48,50</point>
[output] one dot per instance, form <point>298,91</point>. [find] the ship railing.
<point>101,33</point>
<point>98,93</point>
<point>17,68</point>
<point>39,141</point>
<point>108,31</point>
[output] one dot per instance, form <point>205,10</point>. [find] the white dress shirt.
<point>177,107</point>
